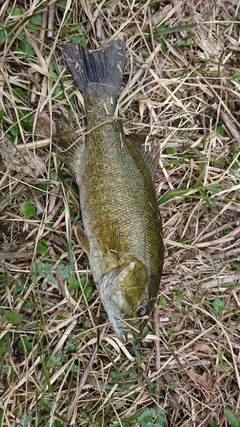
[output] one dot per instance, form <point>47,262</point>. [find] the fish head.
<point>125,296</point>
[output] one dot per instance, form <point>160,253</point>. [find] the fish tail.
<point>99,73</point>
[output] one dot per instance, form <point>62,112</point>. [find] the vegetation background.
<point>181,87</point>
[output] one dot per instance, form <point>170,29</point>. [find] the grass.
<point>60,362</point>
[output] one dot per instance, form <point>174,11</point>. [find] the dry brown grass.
<point>182,87</point>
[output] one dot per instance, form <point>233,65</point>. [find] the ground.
<point>61,363</point>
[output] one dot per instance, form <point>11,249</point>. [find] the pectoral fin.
<point>110,237</point>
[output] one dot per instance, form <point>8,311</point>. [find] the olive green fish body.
<point>118,203</point>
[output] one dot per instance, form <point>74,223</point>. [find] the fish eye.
<point>141,311</point>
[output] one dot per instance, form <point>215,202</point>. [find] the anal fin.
<point>69,147</point>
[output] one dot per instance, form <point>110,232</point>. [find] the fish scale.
<point>115,193</point>
<point>120,214</point>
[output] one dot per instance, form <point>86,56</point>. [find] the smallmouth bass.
<point>122,225</point>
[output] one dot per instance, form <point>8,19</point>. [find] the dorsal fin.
<point>151,157</point>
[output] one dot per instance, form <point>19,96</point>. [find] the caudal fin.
<point>98,73</point>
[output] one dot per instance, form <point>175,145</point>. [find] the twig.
<point>157,347</point>
<point>51,13</point>
<point>83,379</point>
<point>41,42</point>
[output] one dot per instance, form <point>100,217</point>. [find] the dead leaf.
<point>203,347</point>
<point>23,161</point>
<point>43,126</point>
<point>205,380</point>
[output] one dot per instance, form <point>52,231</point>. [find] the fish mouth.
<point>124,327</point>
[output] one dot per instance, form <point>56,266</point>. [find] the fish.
<point>122,227</point>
